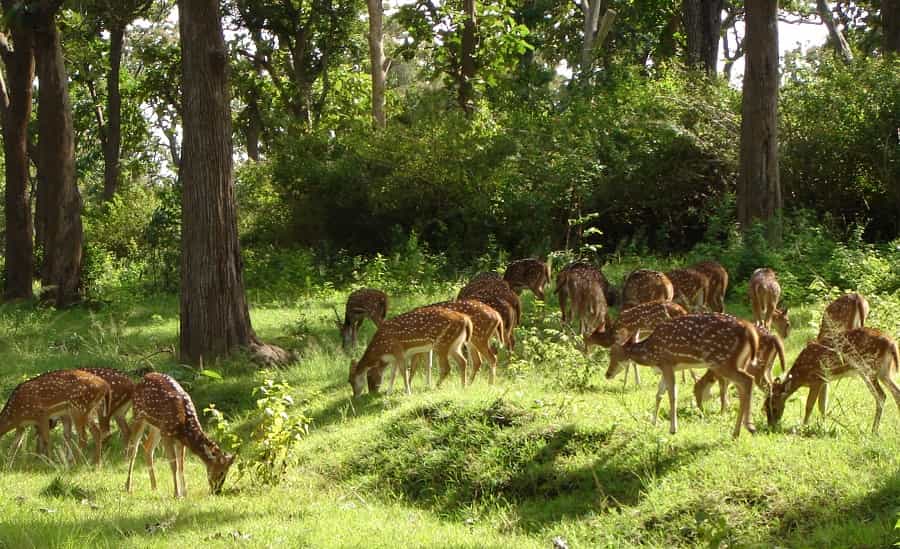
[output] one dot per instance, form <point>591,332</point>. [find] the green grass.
<point>549,451</point>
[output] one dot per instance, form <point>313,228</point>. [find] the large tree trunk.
<point>890,17</point>
<point>376,60</point>
<point>759,187</point>
<point>113,142</point>
<point>64,235</point>
<point>591,12</point>
<point>215,319</point>
<point>702,26</point>
<point>19,265</point>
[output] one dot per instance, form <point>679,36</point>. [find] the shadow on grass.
<point>48,530</point>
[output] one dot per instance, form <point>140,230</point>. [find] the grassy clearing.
<point>553,450</point>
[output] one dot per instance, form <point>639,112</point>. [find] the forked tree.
<point>215,319</point>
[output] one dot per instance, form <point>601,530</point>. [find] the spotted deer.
<point>583,287</point>
<point>770,347</point>
<point>361,304</point>
<point>530,273</point>
<point>585,267</point>
<point>718,284</point>
<point>764,295</point>
<point>486,324</point>
<point>418,331</point>
<point>494,292</point>
<point>865,352</point>
<point>710,340</point>
<point>842,315</point>
<point>162,406</point>
<point>644,286</point>
<point>632,324</point>
<point>74,394</point>
<point>690,287</point>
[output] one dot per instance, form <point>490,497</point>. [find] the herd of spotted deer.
<point>668,321</point>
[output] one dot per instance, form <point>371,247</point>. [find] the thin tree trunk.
<point>19,265</point>
<point>113,142</point>
<point>376,60</point>
<point>837,37</point>
<point>693,31</point>
<point>759,187</point>
<point>890,18</point>
<point>702,26</point>
<point>591,11</point>
<point>253,131</point>
<point>215,319</point>
<point>467,58</point>
<point>64,234</point>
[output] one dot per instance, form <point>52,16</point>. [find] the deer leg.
<point>744,383</point>
<point>476,350</point>
<point>443,365</point>
<point>97,433</point>
<point>884,375</point>
<point>394,368</point>
<point>179,460</point>
<point>137,429</point>
<point>668,375</point>
<point>660,390</point>
<point>811,399</point>
<point>430,367</point>
<point>169,445</point>
<point>16,445</point>
<point>723,395</point>
<point>878,394</point>
<point>149,449</point>
<point>462,363</point>
<point>823,399</point>
<point>123,426</point>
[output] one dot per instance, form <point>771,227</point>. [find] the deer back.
<point>843,314</point>
<point>765,290</point>
<point>644,285</point>
<point>717,275</point>
<point>53,394</point>
<point>690,287</point>
<point>486,322</point>
<point>366,303</point>
<point>527,273</point>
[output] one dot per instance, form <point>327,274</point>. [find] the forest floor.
<point>551,455</point>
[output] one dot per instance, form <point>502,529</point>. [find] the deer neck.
<point>200,444</point>
<point>640,351</point>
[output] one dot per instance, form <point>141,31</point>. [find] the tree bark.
<point>759,188</point>
<point>64,234</point>
<point>19,265</point>
<point>591,11</point>
<point>702,26</point>
<point>215,319</point>
<point>113,143</point>
<point>467,59</point>
<point>890,18</point>
<point>376,60</point>
<point>837,37</point>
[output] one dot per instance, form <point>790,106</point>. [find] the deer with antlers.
<point>74,394</point>
<point>644,286</point>
<point>529,273</point>
<point>718,284</point>
<point>428,329</point>
<point>865,352</point>
<point>770,347</point>
<point>710,340</point>
<point>161,405</point>
<point>765,291</point>
<point>632,324</point>
<point>690,288</point>
<point>842,315</point>
<point>495,292</point>
<point>361,304</point>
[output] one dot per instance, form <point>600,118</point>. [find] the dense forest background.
<point>501,128</point>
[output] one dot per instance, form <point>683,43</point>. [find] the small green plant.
<point>274,442</point>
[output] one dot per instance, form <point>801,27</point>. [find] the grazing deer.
<point>530,273</point>
<point>361,304</point>
<point>63,393</point>
<point>632,324</point>
<point>764,295</point>
<point>583,287</point>
<point>711,340</point>
<point>861,351</point>
<point>718,284</point>
<point>417,331</point>
<point>160,404</point>
<point>770,347</point>
<point>494,292</point>
<point>644,286</point>
<point>691,288</point>
<point>609,293</point>
<point>486,323</point>
<point>842,315</point>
